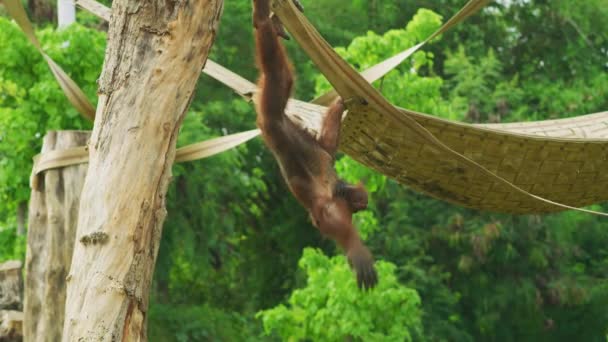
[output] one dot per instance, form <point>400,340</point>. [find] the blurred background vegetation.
<point>239,260</point>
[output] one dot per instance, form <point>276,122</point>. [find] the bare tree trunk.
<point>155,53</point>
<point>52,229</point>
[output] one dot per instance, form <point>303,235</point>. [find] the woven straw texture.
<point>549,159</point>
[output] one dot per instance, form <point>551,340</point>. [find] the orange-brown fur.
<point>307,164</point>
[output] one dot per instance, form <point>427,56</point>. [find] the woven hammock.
<point>519,168</point>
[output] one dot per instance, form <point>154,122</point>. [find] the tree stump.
<point>11,320</point>
<point>53,217</point>
<point>11,326</point>
<point>10,285</point>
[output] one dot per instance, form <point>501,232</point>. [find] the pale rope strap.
<point>80,155</point>
<point>350,85</point>
<point>57,159</point>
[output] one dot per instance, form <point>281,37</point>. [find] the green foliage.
<point>31,101</point>
<point>12,246</point>
<point>476,86</point>
<point>185,323</point>
<point>520,278</point>
<point>332,308</point>
<point>407,86</point>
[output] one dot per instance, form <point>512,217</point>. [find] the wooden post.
<point>11,317</point>
<point>156,51</point>
<point>53,216</point>
<point>10,285</point>
<point>11,326</point>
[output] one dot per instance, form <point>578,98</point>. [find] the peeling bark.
<point>155,53</point>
